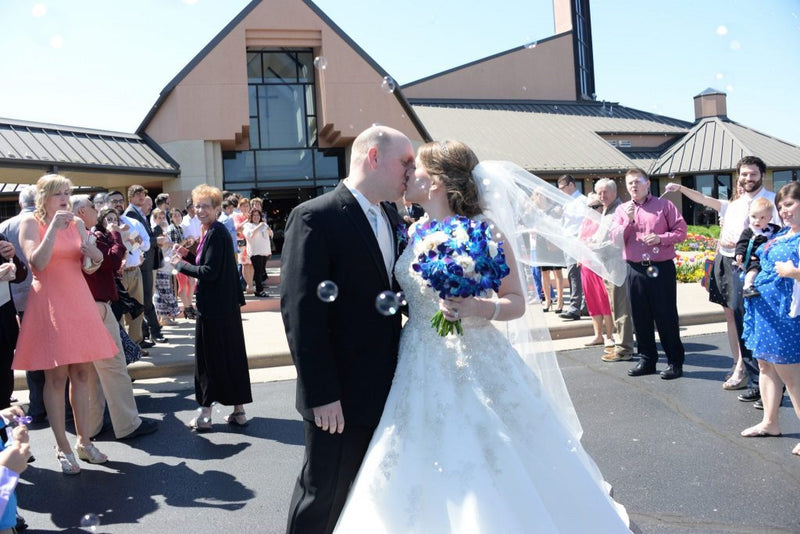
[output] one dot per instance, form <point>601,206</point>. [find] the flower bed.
<point>697,243</point>
<point>691,256</point>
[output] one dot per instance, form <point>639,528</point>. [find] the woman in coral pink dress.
<point>594,290</point>
<point>62,332</point>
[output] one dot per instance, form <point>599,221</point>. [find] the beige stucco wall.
<point>211,101</point>
<point>201,163</point>
<point>544,72</point>
<point>562,15</point>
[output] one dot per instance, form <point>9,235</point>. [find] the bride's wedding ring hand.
<point>456,308</point>
<point>329,417</point>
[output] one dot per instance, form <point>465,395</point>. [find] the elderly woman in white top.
<point>258,234</point>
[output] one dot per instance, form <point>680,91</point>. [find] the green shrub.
<point>710,231</point>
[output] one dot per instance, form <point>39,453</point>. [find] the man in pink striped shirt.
<point>650,227</point>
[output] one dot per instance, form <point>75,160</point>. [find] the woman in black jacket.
<point>221,373</point>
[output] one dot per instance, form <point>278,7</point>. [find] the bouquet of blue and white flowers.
<point>458,257</point>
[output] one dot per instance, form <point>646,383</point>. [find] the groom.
<point>345,352</point>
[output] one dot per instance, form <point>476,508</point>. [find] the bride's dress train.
<point>467,444</point>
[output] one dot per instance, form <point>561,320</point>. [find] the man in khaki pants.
<point>606,190</point>
<point>111,383</point>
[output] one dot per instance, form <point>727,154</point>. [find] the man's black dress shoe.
<point>569,315</point>
<point>146,344</point>
<point>672,372</point>
<point>107,427</point>
<point>750,395</point>
<point>148,426</point>
<point>158,338</point>
<point>642,369</point>
<point>758,405</point>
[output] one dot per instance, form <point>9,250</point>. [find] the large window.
<point>781,178</point>
<point>283,127</point>
<point>712,185</point>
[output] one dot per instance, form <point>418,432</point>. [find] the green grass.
<point>710,231</point>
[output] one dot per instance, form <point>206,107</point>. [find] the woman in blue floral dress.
<point>772,321</point>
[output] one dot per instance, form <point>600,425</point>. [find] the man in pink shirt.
<point>651,226</point>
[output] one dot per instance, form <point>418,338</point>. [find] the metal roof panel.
<point>544,136</point>
<point>77,148</point>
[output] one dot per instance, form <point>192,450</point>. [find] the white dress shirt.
<point>382,234</point>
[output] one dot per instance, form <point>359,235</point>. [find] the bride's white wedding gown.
<point>466,443</point>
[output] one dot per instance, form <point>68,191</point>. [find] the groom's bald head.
<point>381,161</point>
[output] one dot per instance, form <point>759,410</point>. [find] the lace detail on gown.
<point>466,444</point>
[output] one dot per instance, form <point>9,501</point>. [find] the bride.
<point>473,440</point>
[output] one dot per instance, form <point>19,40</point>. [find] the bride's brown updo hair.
<point>451,162</point>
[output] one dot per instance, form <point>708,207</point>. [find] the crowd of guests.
<point>755,278</point>
<point>86,285</point>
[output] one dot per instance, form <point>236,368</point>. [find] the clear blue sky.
<point>102,64</point>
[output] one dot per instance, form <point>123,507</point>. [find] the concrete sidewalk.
<point>267,345</point>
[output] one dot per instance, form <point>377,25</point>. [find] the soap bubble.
<point>531,45</point>
<point>652,271</point>
<point>656,250</point>
<point>388,84</point>
<point>203,419</point>
<point>401,297</point>
<point>327,291</point>
<point>320,63</point>
<point>387,303</point>
<point>645,257</point>
<point>90,522</point>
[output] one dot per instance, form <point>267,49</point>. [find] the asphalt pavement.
<point>670,449</point>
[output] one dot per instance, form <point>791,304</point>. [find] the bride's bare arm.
<point>510,303</point>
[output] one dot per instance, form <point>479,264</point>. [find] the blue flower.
<point>458,257</point>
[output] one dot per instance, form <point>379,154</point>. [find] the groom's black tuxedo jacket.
<point>343,350</point>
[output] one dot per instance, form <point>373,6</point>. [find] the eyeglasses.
<point>596,206</point>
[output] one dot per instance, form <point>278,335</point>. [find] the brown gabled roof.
<point>546,137</point>
<point>235,22</point>
<point>717,144</point>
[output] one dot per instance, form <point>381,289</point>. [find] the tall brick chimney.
<point>710,103</point>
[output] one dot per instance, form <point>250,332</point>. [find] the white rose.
<point>460,235</point>
<point>466,263</point>
<point>492,249</point>
<point>430,242</point>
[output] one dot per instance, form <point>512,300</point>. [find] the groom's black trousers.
<point>330,465</point>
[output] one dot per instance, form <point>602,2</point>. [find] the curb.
<point>143,370</point>
<point>581,328</point>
